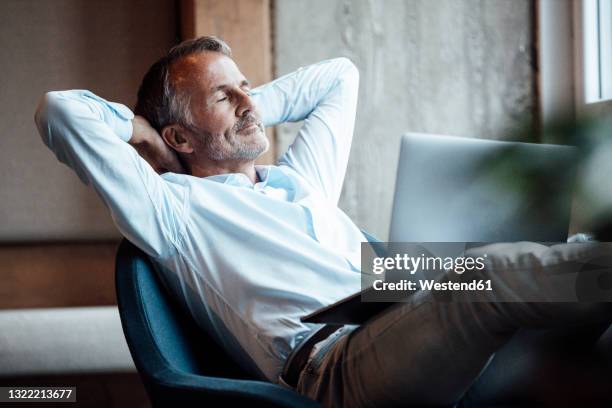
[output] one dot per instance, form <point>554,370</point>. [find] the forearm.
<point>324,95</point>
<point>293,97</point>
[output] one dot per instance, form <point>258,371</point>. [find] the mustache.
<point>246,120</point>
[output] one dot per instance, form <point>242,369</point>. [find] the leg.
<point>422,352</point>
<point>427,352</point>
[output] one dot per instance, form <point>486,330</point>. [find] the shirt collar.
<point>267,175</point>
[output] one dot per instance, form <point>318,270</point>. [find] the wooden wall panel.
<point>57,275</point>
<point>245,26</point>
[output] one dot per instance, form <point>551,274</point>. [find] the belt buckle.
<point>290,374</point>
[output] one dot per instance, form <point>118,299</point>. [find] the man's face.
<point>225,123</point>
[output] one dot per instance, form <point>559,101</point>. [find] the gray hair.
<point>158,101</point>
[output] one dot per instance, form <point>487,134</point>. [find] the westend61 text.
<point>430,284</point>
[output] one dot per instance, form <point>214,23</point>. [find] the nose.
<point>245,104</point>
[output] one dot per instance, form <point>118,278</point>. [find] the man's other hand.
<point>150,145</point>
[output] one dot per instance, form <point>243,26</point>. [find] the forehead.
<point>205,71</point>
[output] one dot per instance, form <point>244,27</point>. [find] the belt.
<point>297,359</point>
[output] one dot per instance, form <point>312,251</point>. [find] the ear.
<point>175,137</point>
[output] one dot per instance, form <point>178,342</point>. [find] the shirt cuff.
<point>123,121</point>
<point>124,129</point>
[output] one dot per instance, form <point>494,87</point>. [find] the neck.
<point>212,168</point>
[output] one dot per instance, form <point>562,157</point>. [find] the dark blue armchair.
<point>178,362</point>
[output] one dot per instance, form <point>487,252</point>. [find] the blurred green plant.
<point>591,168</point>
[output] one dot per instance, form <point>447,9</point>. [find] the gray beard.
<point>218,150</point>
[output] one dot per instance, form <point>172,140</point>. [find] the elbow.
<point>349,65</point>
<point>53,105</point>
<point>349,70</point>
<point>48,106</point>
<point>52,110</point>
<point>40,115</point>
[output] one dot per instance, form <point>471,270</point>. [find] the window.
<point>597,50</point>
<point>575,57</point>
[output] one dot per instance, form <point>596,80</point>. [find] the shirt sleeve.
<point>324,95</point>
<point>89,134</point>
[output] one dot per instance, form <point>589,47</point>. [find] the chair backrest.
<point>159,333</point>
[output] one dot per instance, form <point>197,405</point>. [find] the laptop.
<point>454,189</point>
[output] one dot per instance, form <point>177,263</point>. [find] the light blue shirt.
<point>246,260</point>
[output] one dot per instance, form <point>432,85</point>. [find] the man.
<point>249,249</point>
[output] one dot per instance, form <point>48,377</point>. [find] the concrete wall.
<point>460,67</point>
